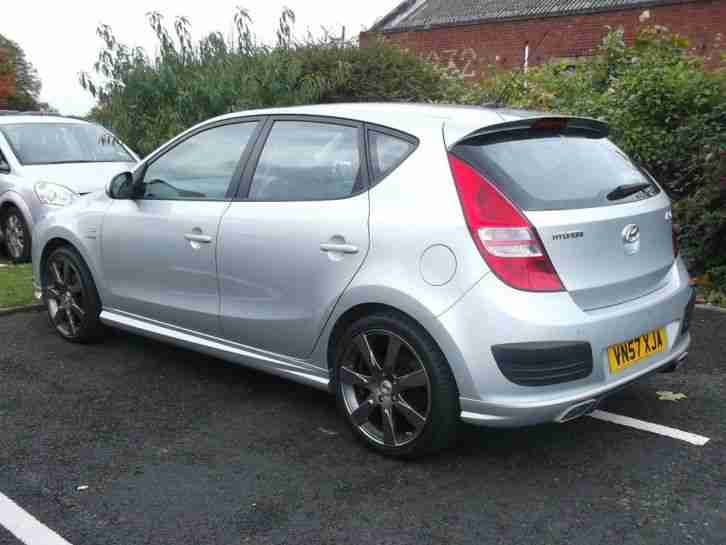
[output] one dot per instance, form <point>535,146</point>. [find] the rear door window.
<point>387,152</point>
<point>308,161</point>
<point>557,171</point>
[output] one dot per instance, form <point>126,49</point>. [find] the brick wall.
<point>472,48</point>
<point>7,80</point>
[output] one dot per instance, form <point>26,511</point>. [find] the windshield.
<point>50,143</point>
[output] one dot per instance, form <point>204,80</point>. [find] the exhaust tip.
<point>675,364</point>
<point>576,411</point>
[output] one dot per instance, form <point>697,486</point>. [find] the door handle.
<point>342,248</point>
<point>194,237</point>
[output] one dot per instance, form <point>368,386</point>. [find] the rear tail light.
<point>505,238</point>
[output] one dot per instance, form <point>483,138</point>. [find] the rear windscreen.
<point>557,171</point>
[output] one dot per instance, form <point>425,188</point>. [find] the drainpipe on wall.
<point>526,56</point>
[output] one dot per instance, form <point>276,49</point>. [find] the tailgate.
<point>605,223</point>
<point>596,262</point>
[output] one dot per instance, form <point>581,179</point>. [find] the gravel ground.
<point>179,448</point>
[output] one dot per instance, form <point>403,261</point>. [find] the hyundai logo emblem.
<point>631,238</point>
<point>631,234</point>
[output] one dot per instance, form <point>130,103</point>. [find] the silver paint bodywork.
<point>275,280</point>
<point>152,270</point>
<point>263,292</point>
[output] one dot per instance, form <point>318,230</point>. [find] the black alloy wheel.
<point>70,296</point>
<point>395,386</point>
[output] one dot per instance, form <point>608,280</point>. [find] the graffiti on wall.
<point>465,60</point>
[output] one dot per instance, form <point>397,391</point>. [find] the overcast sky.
<point>59,36</point>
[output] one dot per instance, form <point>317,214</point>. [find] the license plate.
<point>628,353</point>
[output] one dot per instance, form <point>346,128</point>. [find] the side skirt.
<point>294,369</point>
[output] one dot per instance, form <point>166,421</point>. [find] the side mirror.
<point>4,166</point>
<point>121,186</point>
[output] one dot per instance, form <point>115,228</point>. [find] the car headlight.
<point>54,194</point>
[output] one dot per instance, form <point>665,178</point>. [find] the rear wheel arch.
<point>359,311</point>
<point>358,303</point>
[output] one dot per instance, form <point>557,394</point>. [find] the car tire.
<point>411,407</point>
<point>16,236</point>
<point>70,296</point>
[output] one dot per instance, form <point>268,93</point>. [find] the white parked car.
<point>46,162</point>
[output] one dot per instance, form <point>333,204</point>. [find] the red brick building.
<point>473,35</point>
<point>7,79</point>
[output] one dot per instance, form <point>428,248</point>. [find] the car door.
<point>159,249</point>
<point>290,246</point>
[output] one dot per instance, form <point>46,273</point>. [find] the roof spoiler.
<point>551,123</point>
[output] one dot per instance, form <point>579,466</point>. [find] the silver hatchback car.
<point>427,264</point>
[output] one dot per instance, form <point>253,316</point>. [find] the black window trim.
<point>236,177</point>
<point>246,183</point>
<point>370,127</point>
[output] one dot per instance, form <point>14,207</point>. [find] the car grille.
<point>543,363</point>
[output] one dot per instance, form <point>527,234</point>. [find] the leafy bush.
<point>148,100</point>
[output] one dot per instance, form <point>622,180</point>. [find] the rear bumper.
<point>493,314</point>
<point>559,409</point>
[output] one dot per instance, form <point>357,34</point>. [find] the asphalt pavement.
<point>180,448</point>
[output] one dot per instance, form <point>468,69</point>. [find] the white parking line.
<point>24,526</point>
<point>648,426</point>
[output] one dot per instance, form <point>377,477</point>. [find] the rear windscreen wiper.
<point>626,190</point>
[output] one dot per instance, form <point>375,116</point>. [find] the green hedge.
<point>148,100</point>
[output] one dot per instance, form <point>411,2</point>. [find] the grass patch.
<point>16,285</point>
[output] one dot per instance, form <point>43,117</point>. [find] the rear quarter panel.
<point>412,209</point>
